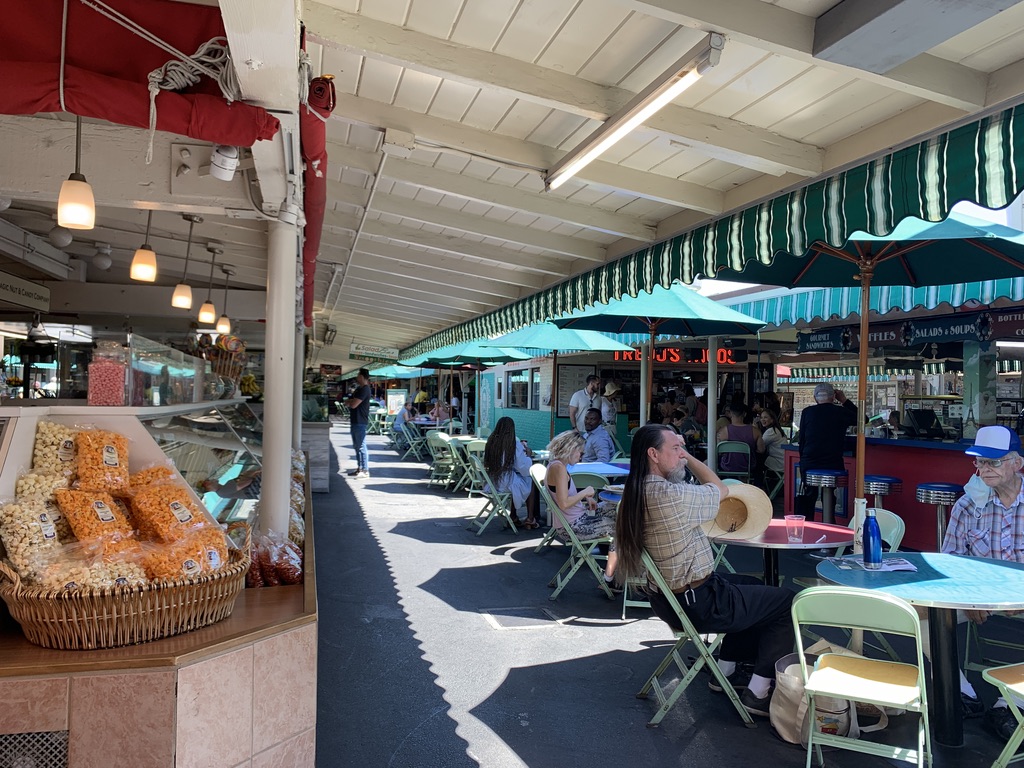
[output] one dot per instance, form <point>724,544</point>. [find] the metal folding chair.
<point>476,483</point>
<point>417,442</point>
<point>443,467</point>
<point>1009,679</point>
<point>579,553</point>
<point>585,479</point>
<point>497,504</point>
<point>737,447</point>
<point>688,635</point>
<point>882,683</point>
<point>982,642</point>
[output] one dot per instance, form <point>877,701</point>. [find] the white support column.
<point>712,393</point>
<point>645,396</point>
<point>279,375</point>
<point>300,363</point>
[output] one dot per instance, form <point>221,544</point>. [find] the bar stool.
<point>881,486</point>
<point>828,480</point>
<point>943,496</point>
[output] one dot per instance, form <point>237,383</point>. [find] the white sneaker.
<point>362,473</point>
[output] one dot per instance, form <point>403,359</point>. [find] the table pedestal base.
<point>945,709</point>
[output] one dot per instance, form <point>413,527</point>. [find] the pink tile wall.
<point>215,711</point>
<point>284,696</point>
<point>34,705</point>
<point>133,710</point>
<point>297,752</point>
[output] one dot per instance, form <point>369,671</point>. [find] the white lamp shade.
<point>207,313</point>
<point>182,297</point>
<point>76,207</point>
<point>224,324</point>
<point>144,265</point>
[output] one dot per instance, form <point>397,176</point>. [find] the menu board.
<point>571,379</point>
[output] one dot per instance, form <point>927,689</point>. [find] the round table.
<point>942,583</point>
<point>605,495</point>
<point>816,536</point>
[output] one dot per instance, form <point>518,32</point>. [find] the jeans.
<point>359,443</point>
<point>755,618</point>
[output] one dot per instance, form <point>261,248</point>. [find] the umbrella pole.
<point>862,379</point>
<point>650,377</point>
<point>554,394</point>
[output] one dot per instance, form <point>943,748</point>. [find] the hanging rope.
<point>63,54</point>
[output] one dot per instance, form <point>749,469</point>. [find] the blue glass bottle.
<point>872,542</point>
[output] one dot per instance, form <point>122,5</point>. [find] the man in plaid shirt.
<point>988,521</point>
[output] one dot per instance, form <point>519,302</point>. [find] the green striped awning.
<point>819,373</point>
<point>805,306</point>
<point>982,162</point>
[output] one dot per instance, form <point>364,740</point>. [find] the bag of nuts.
<point>37,488</point>
<point>102,461</point>
<point>27,533</point>
<point>55,449</point>
<point>82,566</point>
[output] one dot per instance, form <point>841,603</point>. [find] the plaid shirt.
<point>991,530</point>
<point>673,535</point>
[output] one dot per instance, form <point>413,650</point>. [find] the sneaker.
<point>739,679</point>
<point>972,706</point>
<point>1001,722</point>
<point>352,472</point>
<point>754,705</point>
<point>362,473</point>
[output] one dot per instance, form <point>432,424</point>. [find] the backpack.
<point>701,415</point>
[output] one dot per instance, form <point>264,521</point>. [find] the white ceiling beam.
<point>145,300</point>
<point>879,35</point>
<point>487,145</point>
<point>341,222</point>
<point>450,218</point>
<point>515,199</point>
<point>352,157</point>
<point>448,295</point>
<point>347,194</point>
<point>775,29</point>
<point>390,305</point>
<point>417,259</point>
<point>1006,84</point>
<point>485,291</point>
<point>714,136</point>
<point>495,254</point>
<point>355,323</point>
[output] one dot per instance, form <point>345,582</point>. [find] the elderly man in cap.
<point>988,521</point>
<point>668,517</point>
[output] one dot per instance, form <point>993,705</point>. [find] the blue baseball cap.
<point>994,442</point>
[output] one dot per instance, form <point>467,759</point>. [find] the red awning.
<point>106,68</point>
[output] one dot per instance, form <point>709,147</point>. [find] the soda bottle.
<point>872,542</point>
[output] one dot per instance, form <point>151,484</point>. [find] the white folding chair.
<point>1009,679</point>
<point>497,503</point>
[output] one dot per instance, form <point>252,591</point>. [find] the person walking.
<point>359,421</point>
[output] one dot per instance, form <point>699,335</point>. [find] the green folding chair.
<point>497,503</point>
<point>589,479</point>
<point>873,681</point>
<point>443,466</point>
<point>538,473</point>
<point>579,553</point>
<point>417,442</point>
<point>1009,679</point>
<point>476,482</point>
<point>980,642</point>
<point>704,646</point>
<point>737,448</point>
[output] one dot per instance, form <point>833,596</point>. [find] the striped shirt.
<point>673,535</point>
<point>991,530</point>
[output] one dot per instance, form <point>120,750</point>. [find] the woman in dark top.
<point>736,429</point>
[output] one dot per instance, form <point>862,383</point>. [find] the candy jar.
<point>107,372</point>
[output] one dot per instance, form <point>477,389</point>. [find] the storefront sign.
<point>825,340</point>
<point>680,355</point>
<point>359,351</point>
<point>940,329</point>
<point>22,293</point>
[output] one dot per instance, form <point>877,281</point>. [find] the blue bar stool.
<point>881,486</point>
<point>828,480</point>
<point>943,496</point>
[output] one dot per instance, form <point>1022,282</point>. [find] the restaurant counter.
<point>914,462</point>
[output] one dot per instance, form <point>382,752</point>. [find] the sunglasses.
<point>994,463</point>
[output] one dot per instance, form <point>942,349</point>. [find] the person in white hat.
<point>672,520</point>
<point>610,404</point>
<point>988,521</point>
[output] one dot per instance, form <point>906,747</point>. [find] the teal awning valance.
<point>982,162</point>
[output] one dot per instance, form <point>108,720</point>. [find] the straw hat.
<point>743,514</point>
<point>611,389</point>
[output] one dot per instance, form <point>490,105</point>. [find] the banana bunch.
<point>247,385</point>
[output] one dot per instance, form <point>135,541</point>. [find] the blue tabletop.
<point>941,581</point>
<point>605,495</point>
<point>600,468</point>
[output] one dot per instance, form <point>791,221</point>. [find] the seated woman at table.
<point>683,424</point>
<point>508,464</point>
<point>406,413</point>
<point>587,518</point>
<point>439,412</point>
<point>771,441</point>
<point>737,430</point>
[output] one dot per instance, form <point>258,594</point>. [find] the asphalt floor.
<point>439,648</point>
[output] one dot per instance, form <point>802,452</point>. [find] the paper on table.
<point>615,488</point>
<point>857,564</point>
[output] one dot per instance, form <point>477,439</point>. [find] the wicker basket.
<point>88,619</point>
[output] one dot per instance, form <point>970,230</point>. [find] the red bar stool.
<point>943,496</point>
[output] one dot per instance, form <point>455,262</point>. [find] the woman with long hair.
<point>771,441</point>
<point>587,518</point>
<point>738,430</point>
<point>508,465</point>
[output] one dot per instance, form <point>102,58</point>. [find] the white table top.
<point>941,581</point>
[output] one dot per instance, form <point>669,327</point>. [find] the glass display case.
<point>218,449</point>
<point>161,375</point>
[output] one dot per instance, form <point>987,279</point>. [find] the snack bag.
<point>55,449</point>
<point>167,511</point>
<point>36,488</point>
<point>28,534</point>
<point>102,461</point>
<point>183,559</point>
<point>94,515</point>
<point>156,473</point>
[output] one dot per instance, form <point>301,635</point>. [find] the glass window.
<point>535,388</point>
<point>517,389</point>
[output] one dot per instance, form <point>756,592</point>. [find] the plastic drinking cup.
<point>795,528</point>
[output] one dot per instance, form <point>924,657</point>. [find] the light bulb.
<point>76,206</point>
<point>182,298</point>
<point>144,265</point>
<point>224,324</point>
<point>207,313</point>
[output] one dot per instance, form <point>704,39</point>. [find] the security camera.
<point>223,162</point>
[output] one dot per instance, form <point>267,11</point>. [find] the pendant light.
<point>144,261</point>
<point>207,312</point>
<point>76,206</point>
<point>224,323</point>
<point>182,297</point>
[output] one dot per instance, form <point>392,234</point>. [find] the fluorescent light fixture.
<point>143,266</point>
<point>76,206</point>
<point>673,81</point>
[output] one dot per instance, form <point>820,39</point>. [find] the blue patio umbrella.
<point>916,253</point>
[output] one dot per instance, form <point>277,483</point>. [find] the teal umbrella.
<point>960,248</point>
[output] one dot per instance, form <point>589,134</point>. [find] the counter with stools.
<point>943,496</point>
<point>828,480</point>
<point>881,486</point>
